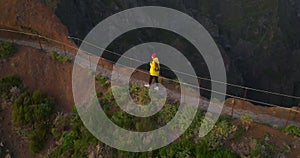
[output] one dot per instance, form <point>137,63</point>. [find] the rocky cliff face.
<point>259,39</point>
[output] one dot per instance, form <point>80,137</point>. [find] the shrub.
<point>6,84</point>
<point>122,119</point>
<point>246,121</point>
<point>76,141</point>
<point>7,50</point>
<point>53,54</point>
<point>99,94</point>
<point>271,147</point>
<point>105,104</point>
<point>202,150</point>
<point>238,134</point>
<point>292,129</point>
<point>180,149</point>
<point>37,137</point>
<point>68,141</point>
<point>144,97</point>
<point>166,114</point>
<point>135,90</point>
<point>62,58</point>
<point>145,124</point>
<point>257,149</point>
<point>187,148</point>
<point>109,96</point>
<point>102,81</point>
<point>218,135</point>
<point>193,129</point>
<point>33,111</point>
<point>60,125</point>
<point>223,154</point>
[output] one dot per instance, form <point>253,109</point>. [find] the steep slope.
<point>31,16</point>
<point>259,39</point>
<point>39,71</point>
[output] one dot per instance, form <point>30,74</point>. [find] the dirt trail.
<point>60,75</point>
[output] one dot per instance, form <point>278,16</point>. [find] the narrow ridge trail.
<point>257,117</point>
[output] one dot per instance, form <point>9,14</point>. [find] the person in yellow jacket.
<point>154,71</point>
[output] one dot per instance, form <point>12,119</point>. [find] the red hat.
<point>153,55</point>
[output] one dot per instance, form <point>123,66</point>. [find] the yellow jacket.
<point>152,67</point>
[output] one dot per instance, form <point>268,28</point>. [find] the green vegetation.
<point>7,50</point>
<point>102,80</point>
<point>219,134</point>
<point>6,84</point>
<point>180,149</point>
<point>60,123</point>
<point>135,90</point>
<point>62,58</point>
<point>99,94</point>
<point>245,121</point>
<point>238,134</point>
<point>144,98</point>
<point>256,152</point>
<point>292,129</point>
<point>122,119</point>
<point>209,146</point>
<point>75,141</point>
<point>261,148</point>
<point>32,113</point>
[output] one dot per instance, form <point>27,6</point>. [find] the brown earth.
<point>35,68</point>
<point>38,71</point>
<point>31,16</point>
<point>278,138</point>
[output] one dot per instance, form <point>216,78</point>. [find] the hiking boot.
<point>147,85</point>
<point>156,88</point>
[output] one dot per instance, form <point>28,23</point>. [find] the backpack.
<point>156,67</point>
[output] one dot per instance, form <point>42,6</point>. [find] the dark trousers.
<point>151,78</point>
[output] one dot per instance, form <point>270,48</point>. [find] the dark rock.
<point>259,40</point>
